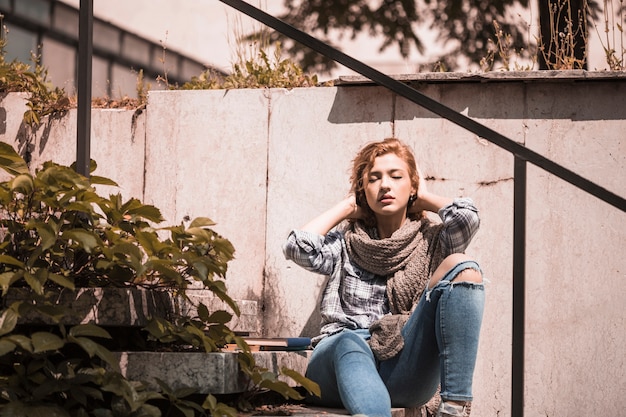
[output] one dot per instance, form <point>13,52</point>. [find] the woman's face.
<point>388,186</point>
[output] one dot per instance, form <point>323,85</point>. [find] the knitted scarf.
<point>408,259</point>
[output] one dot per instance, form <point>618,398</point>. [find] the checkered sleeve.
<point>314,252</point>
<point>461,222</point>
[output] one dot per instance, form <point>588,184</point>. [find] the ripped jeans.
<point>440,347</point>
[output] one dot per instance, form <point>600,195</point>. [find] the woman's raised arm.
<point>345,209</point>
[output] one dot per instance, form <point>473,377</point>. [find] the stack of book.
<point>273,343</point>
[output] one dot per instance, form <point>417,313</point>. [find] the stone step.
<point>311,411</point>
<point>218,373</point>
<point>214,373</point>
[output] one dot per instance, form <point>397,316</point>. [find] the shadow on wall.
<point>493,100</point>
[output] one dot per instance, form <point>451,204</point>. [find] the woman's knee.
<point>451,261</point>
<point>348,342</point>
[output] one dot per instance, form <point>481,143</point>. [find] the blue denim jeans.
<point>440,347</point>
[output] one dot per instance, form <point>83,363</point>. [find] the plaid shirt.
<point>354,298</point>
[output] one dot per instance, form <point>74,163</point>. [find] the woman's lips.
<point>386,199</point>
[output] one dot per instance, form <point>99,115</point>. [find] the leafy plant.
<point>258,71</point>
<point>208,331</point>
<point>44,98</point>
<point>59,230</point>
<point>57,233</point>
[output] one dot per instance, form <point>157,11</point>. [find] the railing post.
<point>519,286</point>
<point>85,53</point>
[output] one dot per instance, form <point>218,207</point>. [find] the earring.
<point>412,198</point>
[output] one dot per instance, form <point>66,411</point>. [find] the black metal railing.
<point>522,156</point>
<point>83,87</point>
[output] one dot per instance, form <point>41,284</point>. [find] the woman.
<point>402,308</point>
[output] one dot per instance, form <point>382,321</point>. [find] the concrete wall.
<point>260,162</point>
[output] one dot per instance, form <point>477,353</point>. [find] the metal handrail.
<point>522,156</point>
<point>85,53</point>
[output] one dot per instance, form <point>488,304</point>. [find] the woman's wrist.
<point>349,207</point>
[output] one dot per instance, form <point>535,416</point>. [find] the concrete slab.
<point>310,411</point>
<point>214,373</point>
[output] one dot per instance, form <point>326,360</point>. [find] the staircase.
<point>216,373</point>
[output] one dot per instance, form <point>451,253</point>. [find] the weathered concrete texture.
<point>552,76</point>
<point>261,162</point>
<point>117,142</point>
<point>209,373</point>
<point>207,157</point>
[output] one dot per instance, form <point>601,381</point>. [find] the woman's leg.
<point>344,367</point>
<point>440,338</point>
<point>459,319</point>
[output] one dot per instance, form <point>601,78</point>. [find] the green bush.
<point>58,233</point>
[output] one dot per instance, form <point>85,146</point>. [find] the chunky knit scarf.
<point>407,258</point>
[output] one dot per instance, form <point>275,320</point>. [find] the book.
<point>273,343</point>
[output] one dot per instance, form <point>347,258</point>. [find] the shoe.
<point>450,410</point>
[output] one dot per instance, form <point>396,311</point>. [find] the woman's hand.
<point>355,210</point>
<point>427,200</point>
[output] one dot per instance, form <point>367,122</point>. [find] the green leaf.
<point>203,312</point>
<point>6,259</point>
<point>21,341</point>
<point>311,386</point>
<point>150,242</point>
<point>6,347</point>
<point>186,410</point>
<point>92,348</point>
<point>62,281</point>
<point>95,179</point>
<point>34,281</point>
<point>220,316</point>
<point>282,388</point>
<point>202,222</point>
<point>185,392</point>
<point>209,402</point>
<point>46,232</point>
<point>8,278</point>
<point>10,161</point>
<point>22,183</point>
<point>87,240</point>
<point>55,312</point>
<point>89,330</point>
<point>219,289</point>
<point>44,341</point>
<point>158,328</point>
<point>135,208</point>
<point>8,321</point>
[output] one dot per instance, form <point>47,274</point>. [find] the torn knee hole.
<point>468,275</point>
